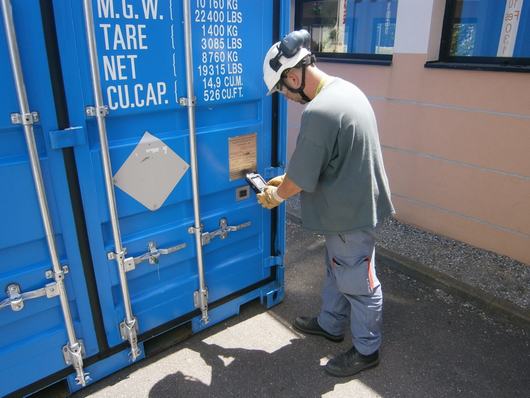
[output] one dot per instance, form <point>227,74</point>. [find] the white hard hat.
<point>271,76</point>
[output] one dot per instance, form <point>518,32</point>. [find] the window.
<point>486,32</point>
<point>349,29</point>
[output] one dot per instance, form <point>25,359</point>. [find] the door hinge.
<point>272,261</point>
<point>274,296</point>
<point>69,137</point>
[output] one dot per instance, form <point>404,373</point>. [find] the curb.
<point>426,274</point>
<point>435,278</point>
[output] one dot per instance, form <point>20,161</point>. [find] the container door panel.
<point>234,135</point>
<point>33,332</point>
<point>141,56</point>
<point>138,77</point>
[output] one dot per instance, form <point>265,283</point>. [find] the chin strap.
<point>300,90</point>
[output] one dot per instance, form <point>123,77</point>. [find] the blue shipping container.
<point>126,129</point>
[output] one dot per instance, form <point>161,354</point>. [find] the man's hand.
<point>276,181</point>
<point>270,199</point>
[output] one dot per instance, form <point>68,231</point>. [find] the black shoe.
<point>310,326</point>
<point>351,362</point>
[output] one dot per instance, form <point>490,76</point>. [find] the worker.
<point>337,167</point>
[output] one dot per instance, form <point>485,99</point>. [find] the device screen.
<point>258,182</point>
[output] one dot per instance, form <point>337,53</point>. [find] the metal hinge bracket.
<point>128,263</point>
<point>200,300</point>
<point>57,276</point>
<point>129,332</point>
<point>70,352</point>
<point>197,298</point>
<point>183,101</point>
<point>73,355</point>
<point>93,111</point>
<point>25,118</point>
<point>192,229</point>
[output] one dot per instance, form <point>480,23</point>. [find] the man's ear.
<point>293,78</point>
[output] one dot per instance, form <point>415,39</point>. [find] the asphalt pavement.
<point>435,344</point>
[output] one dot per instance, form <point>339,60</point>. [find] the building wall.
<point>456,143</point>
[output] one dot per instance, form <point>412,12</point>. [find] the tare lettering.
<point>128,37</point>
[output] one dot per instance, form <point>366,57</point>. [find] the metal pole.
<point>27,120</point>
<point>102,128</point>
<point>100,113</point>
<point>203,292</point>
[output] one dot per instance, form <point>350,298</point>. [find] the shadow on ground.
<point>251,373</point>
<point>435,345</point>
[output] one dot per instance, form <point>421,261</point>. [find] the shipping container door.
<point>140,51</point>
<point>234,123</point>
<point>32,322</point>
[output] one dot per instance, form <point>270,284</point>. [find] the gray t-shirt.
<point>338,162</point>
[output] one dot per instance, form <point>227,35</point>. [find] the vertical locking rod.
<point>74,348</point>
<point>203,292</point>
<point>129,327</point>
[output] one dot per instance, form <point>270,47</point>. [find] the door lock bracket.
<point>152,256</point>
<point>57,276</point>
<point>73,355</point>
<point>127,263</point>
<point>15,298</point>
<point>129,332</point>
<point>223,231</point>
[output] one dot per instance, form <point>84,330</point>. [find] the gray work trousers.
<point>351,290</point>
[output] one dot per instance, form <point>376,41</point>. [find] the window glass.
<point>349,26</point>
<point>490,28</point>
